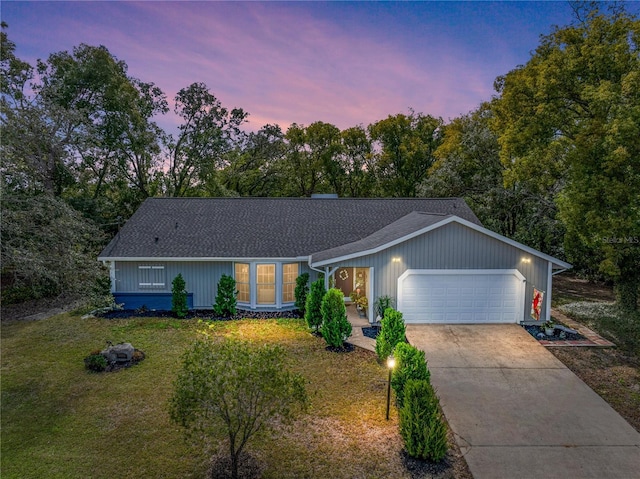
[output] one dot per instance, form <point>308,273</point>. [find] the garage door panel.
<point>462,297</point>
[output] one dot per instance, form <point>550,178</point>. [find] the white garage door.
<point>461,296</point>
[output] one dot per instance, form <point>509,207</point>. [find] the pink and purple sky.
<point>345,63</point>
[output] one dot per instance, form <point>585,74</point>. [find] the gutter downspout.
<point>326,272</point>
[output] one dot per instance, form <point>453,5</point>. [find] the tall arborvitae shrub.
<point>226,297</point>
<point>301,291</point>
<point>421,425</point>
<point>410,364</point>
<point>179,296</point>
<point>336,328</point>
<point>392,332</point>
<point>312,313</point>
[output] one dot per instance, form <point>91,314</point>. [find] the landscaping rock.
<point>119,353</point>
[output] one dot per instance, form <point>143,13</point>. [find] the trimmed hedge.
<point>312,313</point>
<point>336,328</point>
<point>421,425</point>
<point>410,365</point>
<point>226,302</point>
<point>179,296</point>
<point>392,332</point>
<point>301,292</point>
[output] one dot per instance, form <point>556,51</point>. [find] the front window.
<point>242,282</point>
<point>266,283</point>
<point>151,276</point>
<point>289,275</point>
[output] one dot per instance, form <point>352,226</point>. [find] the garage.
<point>461,296</point>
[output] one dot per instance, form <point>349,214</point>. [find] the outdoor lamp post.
<point>391,363</point>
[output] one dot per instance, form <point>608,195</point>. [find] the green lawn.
<point>60,421</point>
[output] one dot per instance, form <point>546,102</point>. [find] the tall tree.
<point>253,165</point>
<point>355,160</point>
<point>209,131</point>
<point>573,112</point>
<point>468,165</point>
<point>406,144</point>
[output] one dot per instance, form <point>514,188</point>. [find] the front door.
<point>343,278</point>
<point>349,280</point>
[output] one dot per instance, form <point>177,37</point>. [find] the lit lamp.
<point>391,363</point>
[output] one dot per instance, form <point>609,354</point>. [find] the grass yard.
<point>60,421</point>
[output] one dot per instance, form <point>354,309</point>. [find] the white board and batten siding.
<point>461,296</point>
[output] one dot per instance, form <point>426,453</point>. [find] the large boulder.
<point>119,353</point>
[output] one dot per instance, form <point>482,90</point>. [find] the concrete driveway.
<point>518,412</point>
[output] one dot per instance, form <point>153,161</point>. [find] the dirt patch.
<point>609,372</point>
<point>37,308</point>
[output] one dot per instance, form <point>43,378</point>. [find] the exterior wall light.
<point>391,363</point>
<point>526,260</point>
<point>395,259</point>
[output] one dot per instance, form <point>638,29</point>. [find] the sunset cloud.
<point>343,63</point>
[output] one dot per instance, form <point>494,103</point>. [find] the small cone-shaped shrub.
<point>421,425</point>
<point>301,291</point>
<point>179,296</point>
<point>392,332</point>
<point>312,313</point>
<point>410,364</point>
<point>226,301</point>
<point>335,325</point>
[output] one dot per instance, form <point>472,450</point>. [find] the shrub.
<point>226,297</point>
<point>382,304</point>
<point>301,291</point>
<point>392,332</point>
<point>312,313</point>
<point>410,364</point>
<point>421,425</point>
<point>335,325</point>
<point>95,362</point>
<point>207,404</point>
<point>179,296</point>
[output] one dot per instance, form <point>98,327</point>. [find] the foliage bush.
<point>95,362</point>
<point>179,296</point>
<point>381,304</point>
<point>226,302</point>
<point>336,328</point>
<point>392,332</point>
<point>301,292</point>
<point>410,365</point>
<point>231,386</point>
<point>48,249</point>
<point>312,314</point>
<point>421,425</point>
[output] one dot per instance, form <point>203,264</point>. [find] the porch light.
<point>395,259</point>
<point>391,363</point>
<point>526,260</point>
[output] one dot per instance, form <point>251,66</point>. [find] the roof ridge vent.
<point>324,196</point>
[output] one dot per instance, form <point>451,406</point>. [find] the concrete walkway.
<point>518,412</point>
<point>357,323</point>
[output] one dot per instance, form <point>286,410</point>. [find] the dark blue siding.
<point>157,301</point>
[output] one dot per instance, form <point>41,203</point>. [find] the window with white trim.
<point>266,283</point>
<point>242,282</point>
<point>289,276</point>
<point>151,276</point>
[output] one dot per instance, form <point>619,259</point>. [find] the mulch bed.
<point>345,348</point>
<point>371,331</point>
<point>537,331</point>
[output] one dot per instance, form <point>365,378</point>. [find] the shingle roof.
<point>411,223</point>
<point>265,227</point>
